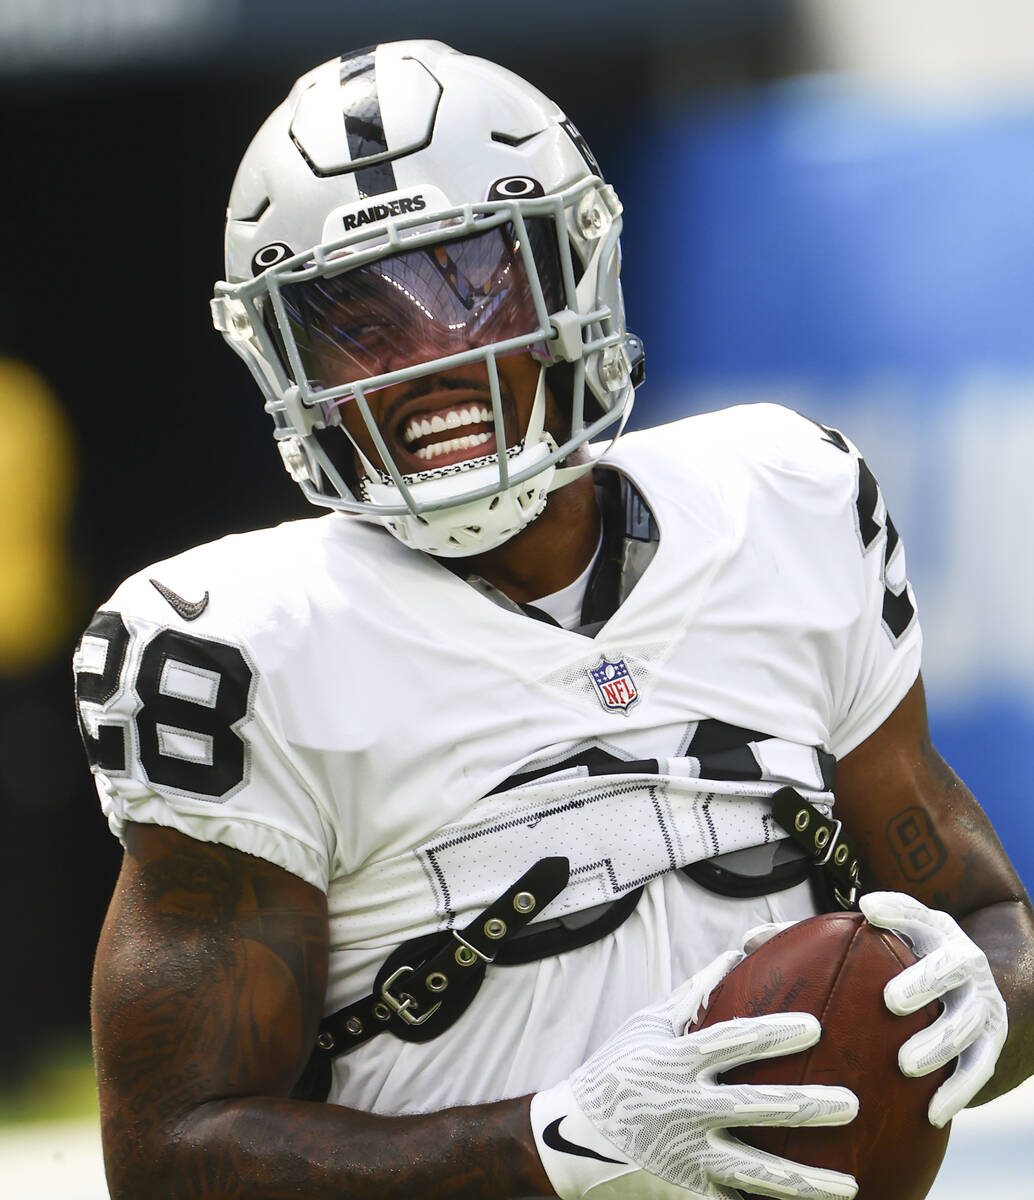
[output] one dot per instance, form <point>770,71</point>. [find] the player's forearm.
<point>1005,932</point>
<point>274,1149</point>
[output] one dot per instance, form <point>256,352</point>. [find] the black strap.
<point>824,840</point>
<point>570,932</point>
<point>720,880</point>
<point>426,985</point>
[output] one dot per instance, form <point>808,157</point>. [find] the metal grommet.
<point>436,982</point>
<point>802,820</point>
<point>465,956</point>
<point>840,855</point>
<point>495,929</point>
<point>821,837</point>
<point>381,1012</point>
<point>354,1026</point>
<point>524,902</point>
<point>325,1041</point>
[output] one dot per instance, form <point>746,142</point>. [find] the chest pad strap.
<point>425,985</point>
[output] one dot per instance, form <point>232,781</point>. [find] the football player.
<point>444,811</point>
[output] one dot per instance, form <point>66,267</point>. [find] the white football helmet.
<point>410,210</point>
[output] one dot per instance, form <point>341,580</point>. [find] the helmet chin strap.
<point>536,427</point>
<point>565,475</point>
<point>368,469</point>
<point>537,420</point>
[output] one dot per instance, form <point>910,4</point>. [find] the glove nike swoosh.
<point>555,1140</point>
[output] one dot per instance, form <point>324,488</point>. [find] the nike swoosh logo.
<point>555,1140</point>
<point>189,610</point>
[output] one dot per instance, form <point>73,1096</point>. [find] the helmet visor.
<point>416,306</point>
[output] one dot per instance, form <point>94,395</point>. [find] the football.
<point>835,966</point>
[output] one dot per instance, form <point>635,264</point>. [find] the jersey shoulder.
<point>250,582</point>
<point>757,463</point>
<point>762,440</point>
<point>181,698</point>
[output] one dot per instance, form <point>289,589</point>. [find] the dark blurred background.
<point>826,204</point>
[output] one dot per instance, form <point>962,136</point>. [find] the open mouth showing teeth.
<point>437,449</point>
<point>465,429</point>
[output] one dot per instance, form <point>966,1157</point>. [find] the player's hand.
<point>645,1118</point>
<point>953,969</point>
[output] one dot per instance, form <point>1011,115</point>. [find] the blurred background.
<point>828,203</point>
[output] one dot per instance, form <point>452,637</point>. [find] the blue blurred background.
<point>827,204</point>
<point>871,263</point>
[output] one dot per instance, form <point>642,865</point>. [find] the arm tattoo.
<point>941,840</point>
<point>208,990</point>
<point>210,984</point>
<point>919,851</point>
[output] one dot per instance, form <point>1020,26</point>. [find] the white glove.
<point>953,969</point>
<point>645,1119</point>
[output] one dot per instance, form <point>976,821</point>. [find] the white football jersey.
<point>323,697</point>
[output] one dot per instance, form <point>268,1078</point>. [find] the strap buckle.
<point>849,898</point>
<point>435,958</point>
<point>846,898</point>
<point>824,841</point>
<point>403,1004</point>
<point>466,954</point>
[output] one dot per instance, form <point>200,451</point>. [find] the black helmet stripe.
<point>364,125</point>
<point>582,147</point>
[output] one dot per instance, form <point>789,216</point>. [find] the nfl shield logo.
<point>614,684</point>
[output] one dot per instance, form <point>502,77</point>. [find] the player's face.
<point>487,289</point>
<point>443,419</point>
